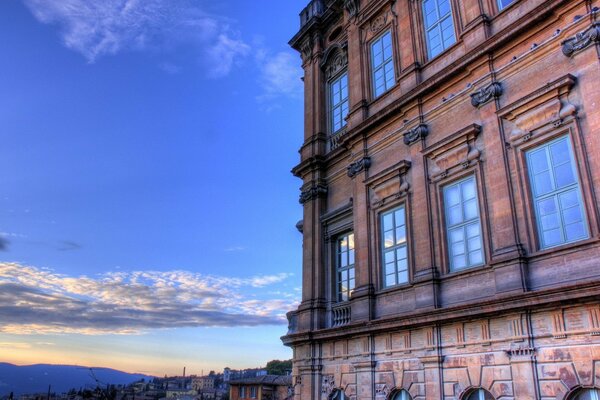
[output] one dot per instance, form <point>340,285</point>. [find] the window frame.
<point>500,7</point>
<point>338,268</point>
<point>392,61</point>
<point>401,394</point>
<point>587,194</point>
<point>382,249</point>
<point>555,193</point>
<point>481,392</point>
<point>428,54</point>
<point>253,392</point>
<point>330,104</point>
<point>242,392</point>
<point>463,224</point>
<point>574,394</point>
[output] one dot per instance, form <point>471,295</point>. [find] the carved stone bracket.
<point>581,40</point>
<point>415,134</point>
<point>482,96</point>
<point>351,6</point>
<point>358,166</point>
<point>454,153</point>
<point>315,191</point>
<point>306,49</point>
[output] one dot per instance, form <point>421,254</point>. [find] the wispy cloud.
<point>280,76</point>
<point>40,301</point>
<point>99,28</point>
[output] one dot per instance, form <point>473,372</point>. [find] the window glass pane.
<point>560,152</point>
<point>430,12</point>
<point>575,231</point>
<point>552,237</point>
<point>503,3</point>
<point>456,235</point>
<point>400,235</point>
<point>401,253</point>
<point>458,262</point>
<point>475,257</point>
<point>543,183</point>
<point>470,209</point>
<point>390,280</point>
<point>387,221</point>
<point>564,175</point>
<point>538,161</point>
<point>403,276</point>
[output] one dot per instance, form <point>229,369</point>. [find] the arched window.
<point>337,394</point>
<point>585,394</point>
<point>402,395</point>
<point>479,394</point>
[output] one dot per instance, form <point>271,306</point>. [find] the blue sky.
<point>147,209</point>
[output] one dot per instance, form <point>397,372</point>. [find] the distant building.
<point>204,382</point>
<point>263,387</point>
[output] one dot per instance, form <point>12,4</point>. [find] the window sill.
<point>466,271</point>
<point>542,254</point>
<point>390,289</point>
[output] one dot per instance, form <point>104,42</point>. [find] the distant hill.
<point>36,378</point>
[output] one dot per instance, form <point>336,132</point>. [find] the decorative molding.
<point>548,105</point>
<point>454,153</point>
<point>390,183</point>
<point>482,96</point>
<point>594,317</point>
<point>327,385</point>
<point>378,22</point>
<point>352,6</point>
<point>558,325</point>
<point>521,353</point>
<point>581,40</point>
<point>358,166</point>
<point>335,60</point>
<point>306,48</point>
<point>415,134</point>
<point>315,191</point>
<point>382,390</point>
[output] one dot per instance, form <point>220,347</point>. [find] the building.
<point>204,382</point>
<point>262,387</point>
<point>450,174</point>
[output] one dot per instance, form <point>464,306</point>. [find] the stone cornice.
<point>310,164</point>
<point>582,291</point>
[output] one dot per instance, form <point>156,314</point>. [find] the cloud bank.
<point>40,301</point>
<point>99,28</point>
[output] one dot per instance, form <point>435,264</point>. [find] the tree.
<point>279,367</point>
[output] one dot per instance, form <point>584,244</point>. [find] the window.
<point>394,248</point>
<point>479,394</point>
<point>586,394</point>
<point>337,394</point>
<point>253,392</point>
<point>382,64</point>
<point>345,266</point>
<point>242,392</point>
<point>556,194</point>
<point>503,3</point>
<point>439,27</point>
<point>463,226</point>
<point>338,102</point>
<point>402,395</point>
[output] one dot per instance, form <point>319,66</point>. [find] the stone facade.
<point>525,323</point>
